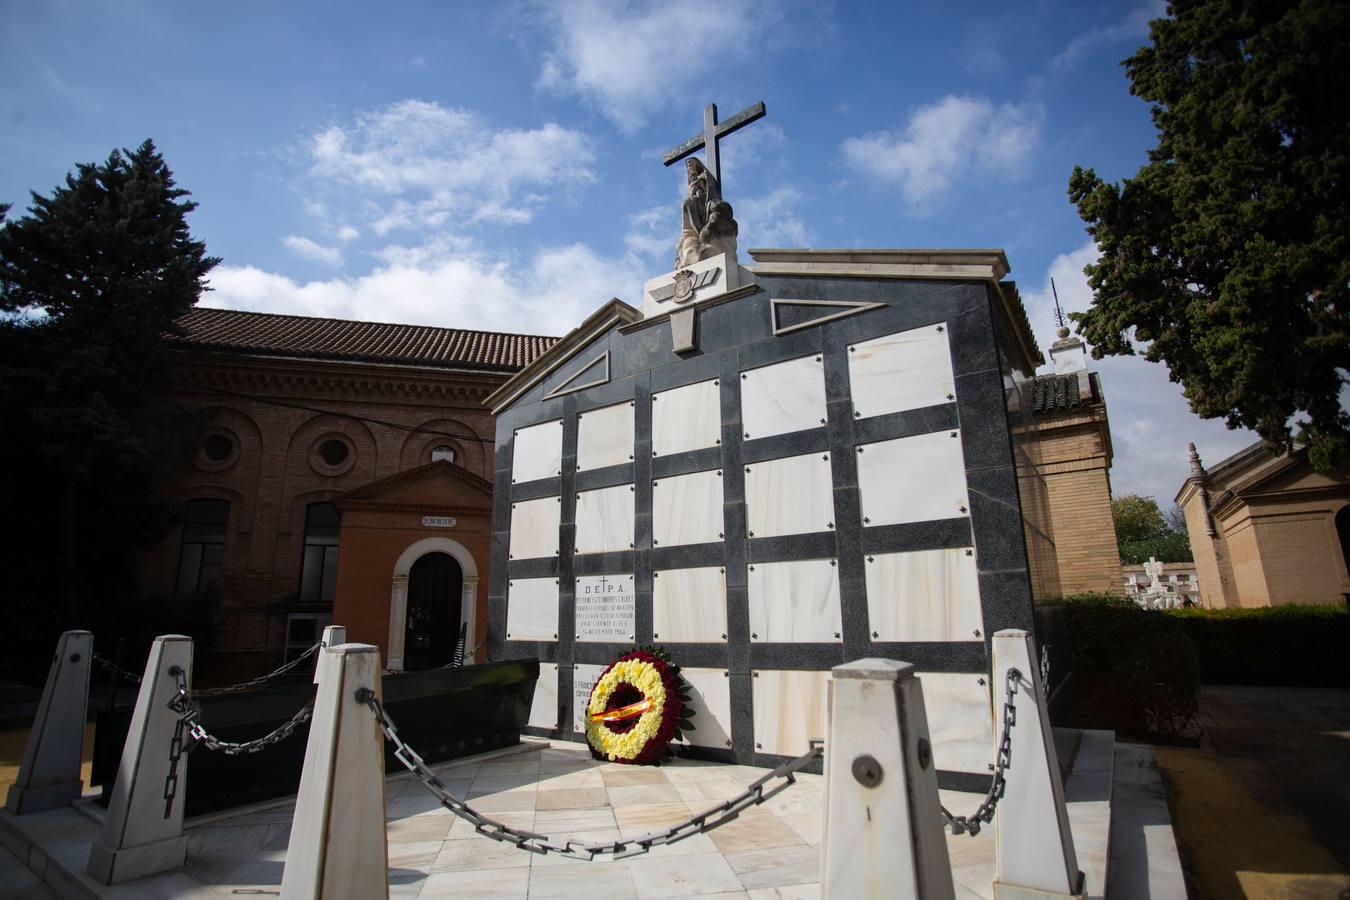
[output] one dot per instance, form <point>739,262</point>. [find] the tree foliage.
<point>1143,532</point>
<point>91,278</point>
<point>1228,253</point>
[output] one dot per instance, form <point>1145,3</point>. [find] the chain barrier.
<point>115,669</point>
<point>756,793</point>
<point>984,813</point>
<point>261,679</point>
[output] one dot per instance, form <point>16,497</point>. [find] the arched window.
<point>443,451</point>
<point>203,548</point>
<point>318,567</point>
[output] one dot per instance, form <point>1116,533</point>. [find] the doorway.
<point>435,591</point>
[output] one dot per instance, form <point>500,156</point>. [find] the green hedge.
<point>1134,670</point>
<point>1278,645</point>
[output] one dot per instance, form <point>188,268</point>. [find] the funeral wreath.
<point>637,707</point>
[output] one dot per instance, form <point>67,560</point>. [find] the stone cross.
<point>1153,569</point>
<point>713,131</point>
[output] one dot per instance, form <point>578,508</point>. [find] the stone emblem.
<point>684,286</point>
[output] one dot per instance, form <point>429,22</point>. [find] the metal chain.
<point>261,679</point>
<point>203,737</point>
<point>984,813</point>
<point>116,669</point>
<point>756,793</point>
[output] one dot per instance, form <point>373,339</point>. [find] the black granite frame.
<point>735,336</point>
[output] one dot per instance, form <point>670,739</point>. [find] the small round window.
<point>333,452</point>
<point>443,451</point>
<point>217,447</point>
<point>217,451</point>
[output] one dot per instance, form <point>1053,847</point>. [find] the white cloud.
<point>450,287</point>
<point>946,140</point>
<point>304,247</point>
<point>772,220</point>
<point>1151,422</point>
<point>419,164</point>
<point>1133,27</point>
<point>629,59</point>
<point>654,232</point>
<point>347,233</point>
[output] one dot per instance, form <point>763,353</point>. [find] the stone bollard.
<point>883,821</point>
<point>143,831</point>
<point>332,636</point>
<point>49,775</point>
<point>1034,847</point>
<point>338,843</point>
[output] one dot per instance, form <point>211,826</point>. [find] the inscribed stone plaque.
<point>924,595</point>
<point>687,418</point>
<point>584,677</point>
<point>793,495</point>
<point>689,606</point>
<point>790,709</point>
<point>537,452</point>
<point>605,608</point>
<point>960,721</point>
<point>605,436</point>
<point>534,528</point>
<point>794,601</point>
<point>687,509</point>
<point>783,397</point>
<point>710,696</point>
<point>605,519</point>
<point>544,706</point>
<point>901,371</point>
<point>912,479</point>
<point>532,609</point>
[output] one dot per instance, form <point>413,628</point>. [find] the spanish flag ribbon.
<point>623,712</point>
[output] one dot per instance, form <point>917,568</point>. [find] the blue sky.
<point>497,165</point>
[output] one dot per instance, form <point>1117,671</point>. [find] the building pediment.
<point>436,485</point>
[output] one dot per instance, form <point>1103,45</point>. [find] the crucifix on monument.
<point>705,256</point>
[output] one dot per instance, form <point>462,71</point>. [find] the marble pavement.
<point>771,852</point>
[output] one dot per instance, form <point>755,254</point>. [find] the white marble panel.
<point>901,371</point>
<point>792,495</point>
<point>912,479</point>
<point>605,607</point>
<point>790,708</point>
<point>544,707</point>
<point>924,595</point>
<point>605,519</point>
<point>605,436</point>
<point>689,606</point>
<point>532,609</point>
<point>783,397</point>
<point>687,418</point>
<point>537,452</point>
<point>794,601</point>
<point>534,528</point>
<point>687,509</point>
<point>960,721</point>
<point>710,694</point>
<point>584,677</point>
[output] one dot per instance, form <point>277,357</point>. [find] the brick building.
<point>1267,530</point>
<point>1063,439</point>
<point>343,475</point>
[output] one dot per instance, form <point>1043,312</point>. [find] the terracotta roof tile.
<point>1053,393</point>
<point>303,336</point>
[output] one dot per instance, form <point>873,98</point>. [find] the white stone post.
<point>1033,844</point>
<point>49,775</point>
<point>469,618</point>
<point>143,833</point>
<point>883,822</point>
<point>332,636</point>
<point>398,622</point>
<point>338,844</point>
